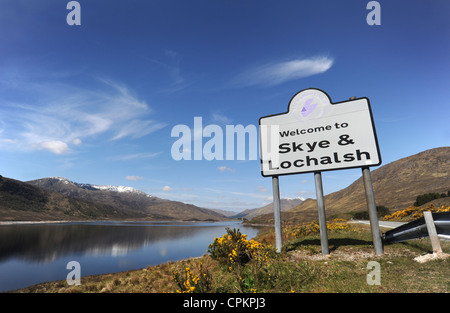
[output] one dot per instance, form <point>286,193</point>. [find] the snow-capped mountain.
<point>99,187</point>
<point>298,198</point>
<point>126,201</point>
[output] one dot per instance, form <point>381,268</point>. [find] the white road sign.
<point>318,135</point>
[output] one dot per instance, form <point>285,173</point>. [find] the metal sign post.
<point>370,198</point>
<point>277,213</point>
<point>321,211</point>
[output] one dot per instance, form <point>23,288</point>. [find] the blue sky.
<point>96,102</point>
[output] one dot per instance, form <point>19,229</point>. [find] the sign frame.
<point>375,137</point>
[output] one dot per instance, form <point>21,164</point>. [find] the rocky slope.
<point>58,198</point>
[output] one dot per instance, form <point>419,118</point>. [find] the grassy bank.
<point>255,267</point>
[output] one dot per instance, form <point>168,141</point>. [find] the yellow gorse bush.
<point>190,283</point>
<point>414,213</point>
<point>233,249</point>
<point>337,224</point>
<point>248,260</point>
<point>186,284</point>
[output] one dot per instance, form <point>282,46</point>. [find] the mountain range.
<point>57,198</point>
<point>285,205</point>
<point>396,186</point>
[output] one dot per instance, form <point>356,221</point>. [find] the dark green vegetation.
<point>364,215</point>
<point>425,198</point>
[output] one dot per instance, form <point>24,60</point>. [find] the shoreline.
<point>111,221</point>
<point>34,222</point>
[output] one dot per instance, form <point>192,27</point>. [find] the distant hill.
<point>285,204</point>
<point>59,198</point>
<point>126,199</point>
<point>396,186</point>
<point>118,198</point>
<point>20,201</point>
<point>226,213</point>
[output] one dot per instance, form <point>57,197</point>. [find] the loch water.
<point>39,252</point>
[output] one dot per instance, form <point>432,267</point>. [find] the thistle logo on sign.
<point>318,135</point>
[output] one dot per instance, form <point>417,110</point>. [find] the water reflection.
<point>34,253</point>
<point>44,243</point>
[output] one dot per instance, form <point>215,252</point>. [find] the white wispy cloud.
<point>276,73</point>
<point>262,189</point>
<point>218,118</point>
<point>174,66</point>
<point>252,195</point>
<point>239,193</point>
<point>133,178</point>
<point>136,156</point>
<point>137,129</point>
<point>55,116</point>
<point>170,64</point>
<point>225,169</point>
<point>55,146</point>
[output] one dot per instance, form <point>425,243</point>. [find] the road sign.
<point>318,135</point>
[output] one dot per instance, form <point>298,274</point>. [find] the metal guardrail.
<point>418,229</point>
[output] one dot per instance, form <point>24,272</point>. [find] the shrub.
<point>247,260</point>
<point>364,215</point>
<point>427,197</point>
<point>191,283</point>
<point>338,224</point>
<point>382,210</point>
<point>233,249</point>
<point>414,213</point>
